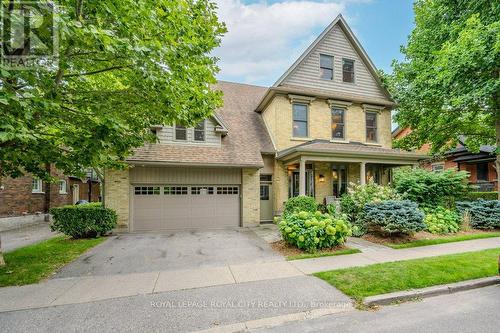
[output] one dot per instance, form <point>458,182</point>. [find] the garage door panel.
<point>186,207</point>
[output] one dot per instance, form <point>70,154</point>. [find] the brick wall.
<point>117,195</point>
<point>16,197</point>
<point>250,197</point>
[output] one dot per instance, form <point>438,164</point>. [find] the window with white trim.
<point>36,185</point>
<point>326,67</point>
<point>438,167</point>
<point>227,190</point>
<point>147,190</point>
<point>63,187</point>
<point>300,127</point>
<point>180,133</point>
<point>199,131</point>
<point>175,190</point>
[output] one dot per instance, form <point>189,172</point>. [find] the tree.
<point>123,66</point>
<point>448,84</point>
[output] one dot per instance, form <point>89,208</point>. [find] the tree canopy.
<point>123,66</point>
<point>448,84</point>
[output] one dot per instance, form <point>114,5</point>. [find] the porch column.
<point>302,177</point>
<point>362,173</point>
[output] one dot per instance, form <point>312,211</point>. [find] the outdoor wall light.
<point>321,178</point>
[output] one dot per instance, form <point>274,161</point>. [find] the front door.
<point>76,193</point>
<point>266,198</point>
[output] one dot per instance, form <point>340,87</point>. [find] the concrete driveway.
<point>138,253</point>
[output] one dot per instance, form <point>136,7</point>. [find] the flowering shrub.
<point>311,231</point>
<point>353,203</point>
<point>299,204</point>
<point>394,216</point>
<point>441,220</point>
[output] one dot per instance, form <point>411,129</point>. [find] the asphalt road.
<point>470,311</point>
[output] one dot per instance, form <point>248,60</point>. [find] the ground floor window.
<point>482,172</point>
<point>339,179</point>
<point>373,173</point>
<point>294,181</point>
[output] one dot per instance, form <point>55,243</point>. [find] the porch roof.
<point>322,149</point>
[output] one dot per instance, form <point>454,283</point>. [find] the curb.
<point>274,321</point>
<point>387,299</point>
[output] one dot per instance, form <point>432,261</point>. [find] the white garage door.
<point>165,207</point>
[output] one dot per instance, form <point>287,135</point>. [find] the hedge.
<point>481,195</point>
<point>83,221</point>
<point>484,214</point>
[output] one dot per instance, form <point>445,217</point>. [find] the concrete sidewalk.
<point>386,254</point>
<point>27,235</point>
<point>94,288</point>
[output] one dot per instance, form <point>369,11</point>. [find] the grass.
<point>322,254</point>
<point>360,282</point>
<point>31,264</point>
<point>449,239</point>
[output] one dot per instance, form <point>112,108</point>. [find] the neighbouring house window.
<point>300,129</point>
<point>439,167</point>
<point>36,185</point>
<point>180,132</point>
<point>326,67</point>
<point>338,124</point>
<point>482,171</point>
<point>199,132</point>
<point>63,187</point>
<point>348,70</point>
<point>371,126</point>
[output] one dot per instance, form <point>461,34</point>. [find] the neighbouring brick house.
<point>481,165</point>
<point>325,123</point>
<point>28,195</point>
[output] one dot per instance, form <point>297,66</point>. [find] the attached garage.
<point>184,198</point>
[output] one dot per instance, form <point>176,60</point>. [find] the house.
<point>325,123</point>
<point>481,165</point>
<point>28,195</point>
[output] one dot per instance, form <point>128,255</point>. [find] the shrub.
<point>83,221</point>
<point>299,204</point>
<point>484,214</point>
<point>311,231</point>
<point>430,188</point>
<point>394,216</point>
<point>441,220</point>
<point>481,195</point>
<point>353,203</point>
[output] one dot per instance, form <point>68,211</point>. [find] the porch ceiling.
<point>323,150</point>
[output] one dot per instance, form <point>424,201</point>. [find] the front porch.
<point>324,170</point>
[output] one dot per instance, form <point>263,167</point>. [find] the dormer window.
<point>348,70</point>
<point>199,132</point>
<point>180,133</point>
<point>326,67</point>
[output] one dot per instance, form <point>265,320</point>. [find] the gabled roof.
<point>246,140</point>
<point>354,41</point>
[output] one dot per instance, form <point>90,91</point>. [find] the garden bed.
<point>293,253</point>
<point>425,238</point>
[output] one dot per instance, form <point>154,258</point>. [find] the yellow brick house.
<point>325,123</point>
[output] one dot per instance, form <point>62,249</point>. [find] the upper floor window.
<point>180,133</point>
<point>36,185</point>
<point>371,126</point>
<point>63,187</point>
<point>348,70</point>
<point>326,67</point>
<point>199,132</point>
<point>338,123</point>
<point>300,128</point>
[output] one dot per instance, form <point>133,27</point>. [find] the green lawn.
<point>359,282</point>
<point>322,254</point>
<point>449,239</point>
<point>35,262</point>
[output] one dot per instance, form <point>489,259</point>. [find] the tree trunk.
<point>2,262</point>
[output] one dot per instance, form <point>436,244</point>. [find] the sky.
<point>264,38</point>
